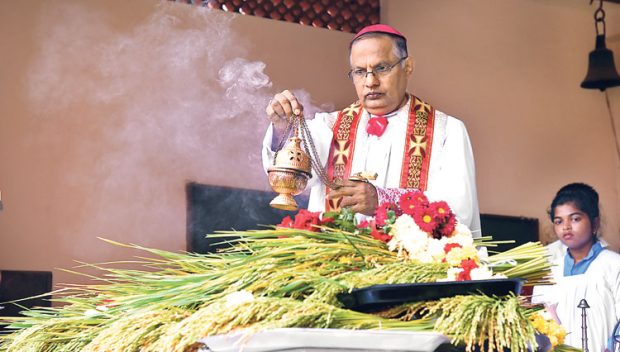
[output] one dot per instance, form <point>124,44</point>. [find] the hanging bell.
<point>289,174</point>
<point>602,72</point>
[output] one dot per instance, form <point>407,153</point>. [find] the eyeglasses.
<point>379,71</point>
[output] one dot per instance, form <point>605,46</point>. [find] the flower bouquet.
<point>290,276</point>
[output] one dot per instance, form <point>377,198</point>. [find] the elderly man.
<point>388,132</point>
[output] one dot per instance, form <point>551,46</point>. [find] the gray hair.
<point>399,47</point>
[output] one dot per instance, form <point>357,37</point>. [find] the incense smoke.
<point>134,114</point>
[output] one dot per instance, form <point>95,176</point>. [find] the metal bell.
<point>602,72</point>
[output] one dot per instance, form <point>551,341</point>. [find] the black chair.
<point>503,227</point>
<point>15,285</point>
<point>217,208</point>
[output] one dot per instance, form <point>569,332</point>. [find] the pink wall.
<point>511,71</point>
<point>108,107</point>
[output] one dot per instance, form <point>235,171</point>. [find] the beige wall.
<point>511,70</point>
<point>108,107</point>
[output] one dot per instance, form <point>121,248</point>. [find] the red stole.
<point>416,157</point>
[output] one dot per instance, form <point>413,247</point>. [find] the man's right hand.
<point>280,109</point>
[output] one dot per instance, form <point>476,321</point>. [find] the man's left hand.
<point>359,196</point>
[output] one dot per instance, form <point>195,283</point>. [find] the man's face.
<point>380,94</point>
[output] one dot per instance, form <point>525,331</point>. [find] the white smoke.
<point>147,109</point>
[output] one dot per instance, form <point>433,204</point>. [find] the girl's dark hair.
<point>582,195</point>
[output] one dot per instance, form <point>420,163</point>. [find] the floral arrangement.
<point>416,229</point>
<point>290,275</point>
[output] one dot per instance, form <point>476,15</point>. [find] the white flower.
<point>409,241</point>
<point>407,236</point>
<point>453,273</point>
<point>458,254</point>
<point>403,225</point>
<point>481,273</point>
<point>461,229</point>
<point>464,239</point>
<point>436,249</point>
<point>484,273</point>
<point>238,297</point>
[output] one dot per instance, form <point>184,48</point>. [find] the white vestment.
<point>599,286</point>
<point>451,177</point>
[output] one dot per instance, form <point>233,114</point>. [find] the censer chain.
<point>284,137</point>
<point>299,123</point>
<point>308,143</point>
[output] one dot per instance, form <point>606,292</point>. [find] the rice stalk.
<point>301,272</point>
<point>493,323</point>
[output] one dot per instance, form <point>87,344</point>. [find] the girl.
<point>584,269</point>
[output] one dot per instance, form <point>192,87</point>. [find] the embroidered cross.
<point>351,110</point>
<point>422,106</point>
<point>417,145</point>
<point>341,153</point>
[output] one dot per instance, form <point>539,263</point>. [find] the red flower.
<point>468,265</point>
<point>448,247</point>
<point>441,209</point>
<point>447,228</point>
<point>382,215</point>
<point>378,235</point>
<point>326,221</point>
<point>304,220</point>
<point>363,224</point>
<point>377,125</point>
<point>411,200</point>
<point>424,218</point>
<point>464,276</point>
<point>286,222</point>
